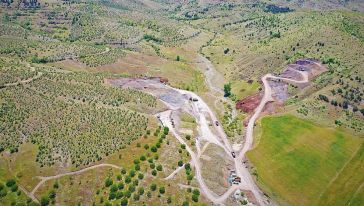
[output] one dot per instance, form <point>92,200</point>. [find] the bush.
<point>159,168</point>
<point>131,188</point>
<point>165,130</point>
<point>141,191</point>
<point>153,149</point>
<point>44,201</point>
<point>108,182</point>
<point>195,198</point>
<point>146,146</point>
<point>3,192</point>
<point>143,158</point>
<point>187,166</point>
<point>114,188</point>
<point>188,137</point>
<point>52,194</point>
<point>196,192</point>
<point>124,202</point>
<point>112,195</point>
<point>162,190</point>
<point>140,176</point>
<point>10,182</point>
<point>14,188</point>
<point>128,194</point>
<point>136,197</point>
<point>227,90</point>
<point>180,163</point>
<point>153,187</point>
<point>185,203</point>
<point>127,180</point>
<point>119,195</point>
<point>154,172</point>
<point>121,186</point>
<point>132,173</point>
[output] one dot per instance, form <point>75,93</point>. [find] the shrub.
<point>153,149</point>
<point>44,201</point>
<point>187,166</point>
<point>136,197</point>
<point>196,192</point>
<point>114,188</point>
<point>10,182</point>
<point>52,194</point>
<point>108,182</point>
<point>143,158</point>
<point>153,187</point>
<point>127,180</point>
<point>140,176</point>
<point>180,163</point>
<point>124,202</point>
<point>112,195</point>
<point>128,194</point>
<point>159,168</point>
<point>154,172</point>
<point>162,190</point>
<point>14,188</point>
<point>195,198</point>
<point>119,195</point>
<point>132,173</point>
<point>165,130</point>
<point>141,191</point>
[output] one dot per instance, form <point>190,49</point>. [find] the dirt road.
<point>45,179</point>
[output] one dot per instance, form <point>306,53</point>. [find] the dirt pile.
<point>248,104</point>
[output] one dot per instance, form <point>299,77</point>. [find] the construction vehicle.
<point>233,154</point>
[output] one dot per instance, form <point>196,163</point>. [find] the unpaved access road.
<point>202,112</point>
<point>45,179</point>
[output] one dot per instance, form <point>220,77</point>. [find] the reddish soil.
<point>248,104</point>
<point>250,196</point>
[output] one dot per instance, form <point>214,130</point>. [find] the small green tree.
<point>178,58</point>
<point>153,187</point>
<point>44,201</point>
<point>140,191</point>
<point>195,198</point>
<point>227,90</point>
<point>162,190</point>
<point>124,202</point>
<point>108,182</point>
<point>159,168</point>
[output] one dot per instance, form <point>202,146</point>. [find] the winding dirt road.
<point>45,179</point>
<point>202,112</point>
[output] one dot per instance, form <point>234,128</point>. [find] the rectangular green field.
<point>298,161</point>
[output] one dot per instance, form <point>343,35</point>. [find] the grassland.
<point>297,161</point>
<point>68,118</point>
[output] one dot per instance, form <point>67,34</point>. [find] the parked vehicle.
<point>233,154</point>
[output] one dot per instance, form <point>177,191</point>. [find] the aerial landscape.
<point>183,103</point>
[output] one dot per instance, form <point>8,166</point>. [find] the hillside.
<point>156,102</point>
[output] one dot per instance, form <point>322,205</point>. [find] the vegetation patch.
<point>298,159</point>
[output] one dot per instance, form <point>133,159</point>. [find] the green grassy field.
<point>296,161</point>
